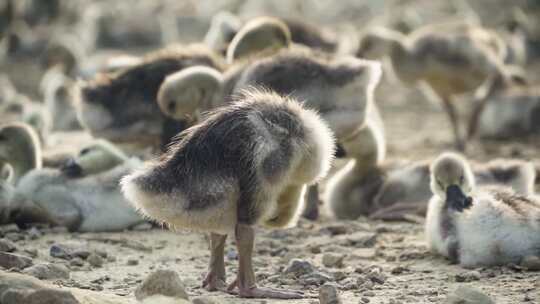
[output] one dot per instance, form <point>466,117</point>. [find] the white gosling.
<point>83,196</point>
<point>476,226</point>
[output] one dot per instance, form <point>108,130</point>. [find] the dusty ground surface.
<point>382,262</point>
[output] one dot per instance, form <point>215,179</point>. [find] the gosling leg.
<point>245,280</point>
<point>479,106</point>
<point>215,278</point>
<point>454,120</point>
<point>312,203</point>
<point>399,211</point>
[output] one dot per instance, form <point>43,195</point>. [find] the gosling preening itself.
<point>476,226</point>
<point>247,163</point>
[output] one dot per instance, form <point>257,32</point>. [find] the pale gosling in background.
<point>83,196</point>
<point>476,226</point>
<point>246,164</point>
<point>59,97</point>
<point>452,58</point>
<point>512,113</point>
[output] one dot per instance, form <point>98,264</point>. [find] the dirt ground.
<point>382,262</point>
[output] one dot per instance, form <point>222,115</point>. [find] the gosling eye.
<point>462,180</point>
<point>84,151</point>
<point>171,105</point>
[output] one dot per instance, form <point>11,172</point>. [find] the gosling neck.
<point>394,42</point>
<point>25,157</point>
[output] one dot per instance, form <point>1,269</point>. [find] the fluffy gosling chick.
<point>247,163</point>
<point>351,190</point>
<point>478,226</point>
<point>87,201</point>
<point>452,58</point>
<point>102,108</point>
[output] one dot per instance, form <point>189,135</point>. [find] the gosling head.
<point>378,42</point>
<point>452,180</point>
<point>20,147</point>
<point>223,27</point>
<point>183,94</point>
<point>65,51</point>
<point>257,35</point>
<point>98,157</point>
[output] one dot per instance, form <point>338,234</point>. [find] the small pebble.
<point>467,295</point>
<point>162,282</point>
<point>76,262</point>
<point>132,262</point>
<point>376,276</point>
<point>7,245</point>
<point>331,260</point>
<point>328,294</point>
<point>48,271</point>
<point>95,260</point>
<point>468,276</point>
<point>12,260</point>
<point>299,267</point>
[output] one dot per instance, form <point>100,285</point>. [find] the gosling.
<point>247,163</point>
<point>476,226</point>
<point>453,58</point>
<point>84,195</point>
<point>122,107</point>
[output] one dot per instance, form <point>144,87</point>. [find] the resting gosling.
<point>83,196</point>
<point>512,113</point>
<point>247,163</point>
<point>390,190</point>
<point>476,226</point>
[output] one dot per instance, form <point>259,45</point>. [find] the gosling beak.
<point>71,168</point>
<point>456,199</point>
